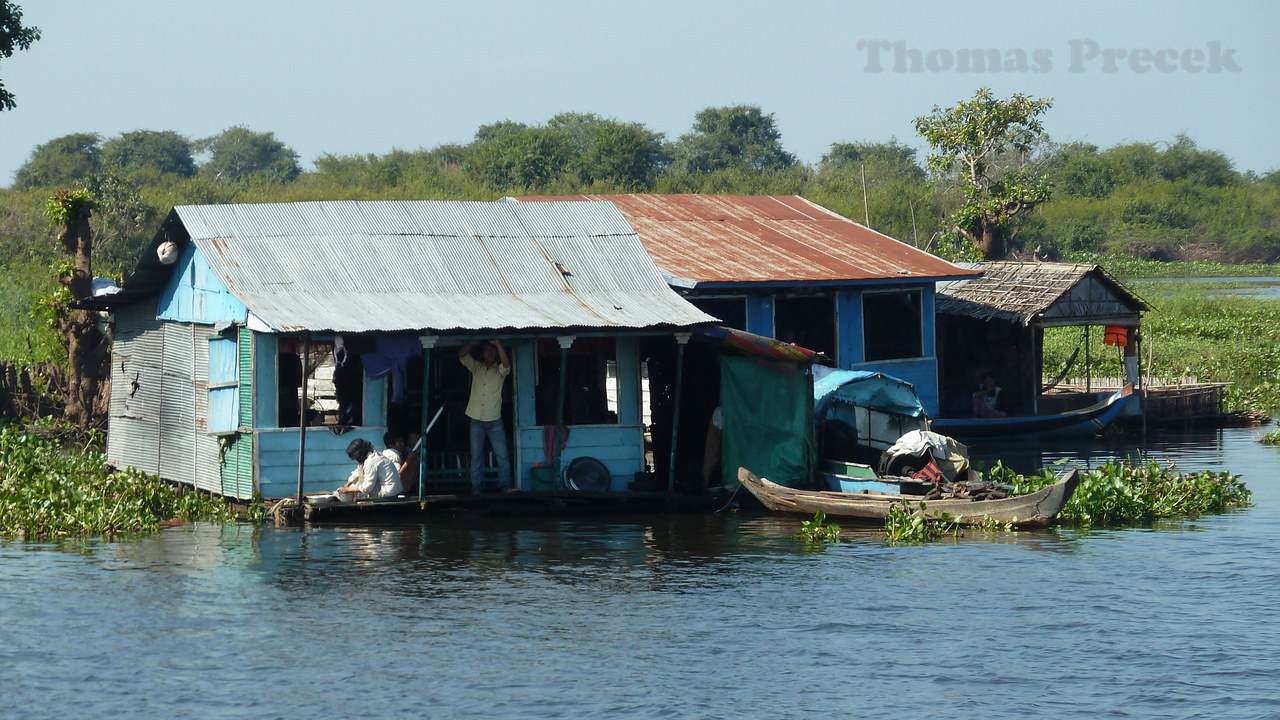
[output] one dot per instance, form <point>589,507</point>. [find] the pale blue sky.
<point>366,77</point>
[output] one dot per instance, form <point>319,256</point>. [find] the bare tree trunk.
<point>86,345</point>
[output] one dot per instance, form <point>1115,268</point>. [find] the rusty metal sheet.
<point>743,239</point>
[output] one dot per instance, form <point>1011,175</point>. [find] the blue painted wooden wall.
<point>194,294</point>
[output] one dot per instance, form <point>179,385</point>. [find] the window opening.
<point>892,325</point>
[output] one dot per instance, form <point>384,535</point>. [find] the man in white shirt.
<point>374,476</point>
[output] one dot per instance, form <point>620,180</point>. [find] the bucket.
<point>542,477</point>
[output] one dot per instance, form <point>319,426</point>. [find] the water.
<point>687,616</point>
<point>1261,288</point>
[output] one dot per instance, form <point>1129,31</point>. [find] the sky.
<point>347,78</point>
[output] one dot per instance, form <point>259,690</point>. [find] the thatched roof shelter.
<point>994,325</point>
<point>1041,294</point>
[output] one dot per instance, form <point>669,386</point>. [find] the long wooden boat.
<point>1036,509</point>
<point>1074,423</point>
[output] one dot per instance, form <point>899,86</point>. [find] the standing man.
<point>488,374</point>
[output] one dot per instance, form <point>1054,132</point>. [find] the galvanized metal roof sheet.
<point>745,239</point>
<point>386,266</point>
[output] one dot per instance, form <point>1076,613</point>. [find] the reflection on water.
<point>717,616</point>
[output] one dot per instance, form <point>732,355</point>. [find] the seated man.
<point>374,476</point>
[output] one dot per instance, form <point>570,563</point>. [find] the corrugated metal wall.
<point>177,404</point>
<point>133,425</point>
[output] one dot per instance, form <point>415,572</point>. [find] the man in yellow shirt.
<point>488,374</point>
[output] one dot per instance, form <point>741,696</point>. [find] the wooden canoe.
<point>1036,509</point>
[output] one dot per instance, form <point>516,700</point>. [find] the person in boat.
<point>488,374</point>
<point>986,398</point>
<point>374,476</point>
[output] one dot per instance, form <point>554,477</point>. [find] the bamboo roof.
<point>1043,294</point>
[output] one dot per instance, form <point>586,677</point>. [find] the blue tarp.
<point>872,390</point>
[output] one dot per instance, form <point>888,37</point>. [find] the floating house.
<point>786,268</point>
<point>253,343</point>
<point>994,325</point>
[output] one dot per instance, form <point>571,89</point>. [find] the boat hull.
<point>1076,423</point>
<point>1037,509</point>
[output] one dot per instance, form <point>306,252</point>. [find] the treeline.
<point>1158,200</point>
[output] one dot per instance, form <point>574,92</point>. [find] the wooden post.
<point>682,339</point>
<point>302,411</point>
<point>566,342</point>
<point>428,344</point>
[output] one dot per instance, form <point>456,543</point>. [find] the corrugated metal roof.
<point>1047,293</point>
<point>355,266</point>
<point>748,239</point>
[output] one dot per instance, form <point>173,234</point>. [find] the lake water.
<point>1262,288</point>
<point>676,616</point>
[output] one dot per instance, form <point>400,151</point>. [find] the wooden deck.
<point>507,504</point>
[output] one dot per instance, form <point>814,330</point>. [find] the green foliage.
<point>912,523</point>
<point>239,153</point>
<point>818,530</point>
<point>48,490</point>
<point>982,144</point>
<point>65,160</point>
<point>1271,438</point>
<point>1120,492</point>
<point>732,137</point>
<point>519,157</point>
<point>68,204</point>
<point>149,151</point>
<point>13,36</point>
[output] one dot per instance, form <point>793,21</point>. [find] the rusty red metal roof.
<point>696,239</point>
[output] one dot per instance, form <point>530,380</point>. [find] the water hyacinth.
<point>47,491</point>
<point>1119,492</point>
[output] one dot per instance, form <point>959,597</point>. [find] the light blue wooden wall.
<point>276,448</point>
<point>620,447</point>
<point>194,294</point>
<point>327,464</point>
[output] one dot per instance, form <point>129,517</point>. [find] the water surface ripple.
<point>685,616</point>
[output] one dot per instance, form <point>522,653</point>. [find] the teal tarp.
<point>768,421</point>
<point>872,390</point>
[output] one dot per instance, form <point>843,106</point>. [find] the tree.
<point>238,153</point>
<point>160,151</point>
<point>740,136</point>
<point>511,155</point>
<point>1184,160</point>
<point>879,184</point>
<point>882,161</point>
<point>66,160</point>
<point>86,345</point>
<point>627,156</point>
<point>13,37</point>
<point>983,144</point>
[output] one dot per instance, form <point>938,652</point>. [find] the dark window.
<point>809,322</point>
<point>335,394</point>
<point>731,311</point>
<point>891,325</point>
<point>591,382</point>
